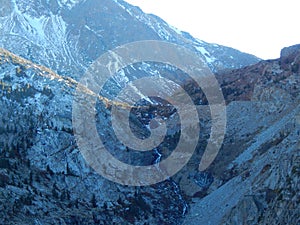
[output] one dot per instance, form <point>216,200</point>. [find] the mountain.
<point>255,177</point>
<point>67,35</point>
<point>44,178</point>
<point>258,166</point>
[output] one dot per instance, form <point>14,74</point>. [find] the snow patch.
<point>139,93</point>
<point>120,78</point>
<point>69,3</point>
<point>175,29</point>
<point>124,8</point>
<point>38,24</point>
<point>97,33</point>
<point>199,41</point>
<point>205,53</point>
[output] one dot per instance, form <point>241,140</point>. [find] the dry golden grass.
<point>7,56</point>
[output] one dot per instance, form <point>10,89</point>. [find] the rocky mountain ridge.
<point>261,183</point>
<point>45,180</point>
<point>64,35</point>
<point>41,165</point>
<point>257,181</point>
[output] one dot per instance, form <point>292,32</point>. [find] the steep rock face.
<point>290,58</point>
<point>67,36</point>
<point>256,175</point>
<point>288,51</point>
<point>44,178</point>
<point>254,179</point>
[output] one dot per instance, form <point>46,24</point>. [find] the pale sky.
<point>259,27</point>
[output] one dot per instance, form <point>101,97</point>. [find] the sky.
<point>258,27</point>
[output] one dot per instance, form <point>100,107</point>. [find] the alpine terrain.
<point>46,47</point>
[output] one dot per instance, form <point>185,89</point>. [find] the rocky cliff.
<point>254,179</point>
<point>44,178</point>
<point>257,171</point>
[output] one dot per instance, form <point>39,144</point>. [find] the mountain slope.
<point>44,179</point>
<point>255,177</point>
<point>67,36</point>
<point>257,171</point>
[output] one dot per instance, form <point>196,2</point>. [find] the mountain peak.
<point>66,38</point>
<point>291,50</point>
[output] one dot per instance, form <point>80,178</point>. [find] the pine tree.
<point>94,201</point>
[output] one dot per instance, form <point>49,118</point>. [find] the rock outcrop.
<point>44,178</point>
